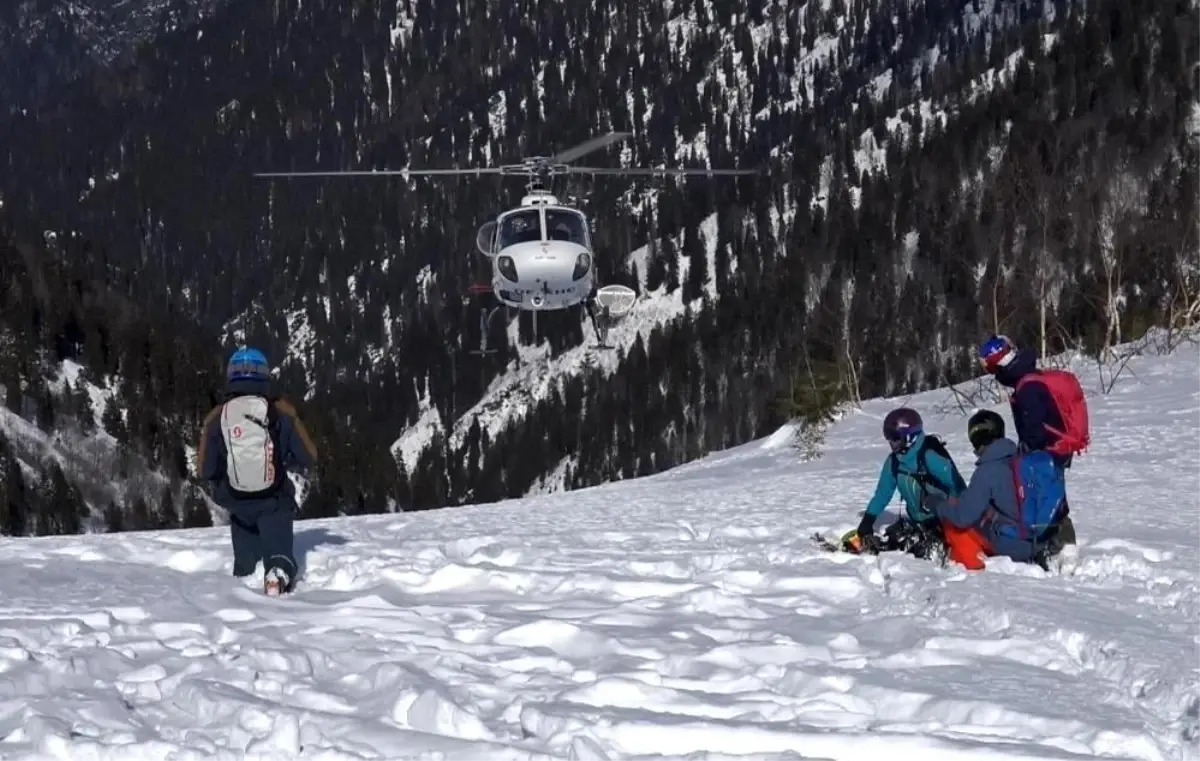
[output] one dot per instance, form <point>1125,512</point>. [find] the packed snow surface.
<point>683,615</point>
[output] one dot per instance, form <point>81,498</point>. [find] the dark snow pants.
<point>262,530</point>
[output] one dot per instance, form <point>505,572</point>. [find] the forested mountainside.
<point>931,172</point>
<point>99,402</point>
<point>43,44</point>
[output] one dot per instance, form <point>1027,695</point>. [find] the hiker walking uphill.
<point>246,446</point>
<point>1049,411</point>
<point>917,466</point>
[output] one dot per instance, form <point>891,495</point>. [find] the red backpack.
<point>1072,408</point>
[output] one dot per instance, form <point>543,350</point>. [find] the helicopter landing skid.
<point>485,323</point>
<point>597,322</point>
<point>486,313</point>
<point>601,321</point>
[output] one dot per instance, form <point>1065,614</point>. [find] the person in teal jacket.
<point>921,469</point>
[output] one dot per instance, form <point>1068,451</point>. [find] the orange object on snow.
<point>966,546</point>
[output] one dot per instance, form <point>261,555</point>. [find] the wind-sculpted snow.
<point>682,614</point>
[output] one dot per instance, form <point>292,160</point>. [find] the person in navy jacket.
<point>261,528</point>
<point>1033,408</point>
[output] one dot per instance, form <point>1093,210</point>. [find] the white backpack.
<point>251,460</point>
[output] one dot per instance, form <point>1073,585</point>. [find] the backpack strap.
<point>923,477</point>
<point>1019,493</point>
<point>933,442</point>
<point>273,419</point>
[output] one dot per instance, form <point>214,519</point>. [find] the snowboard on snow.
<point>824,543</point>
<point>832,545</point>
<point>1062,562</point>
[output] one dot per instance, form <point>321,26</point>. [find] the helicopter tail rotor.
<point>587,146</point>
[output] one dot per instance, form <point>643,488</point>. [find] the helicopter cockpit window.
<point>566,225</point>
<point>521,227</point>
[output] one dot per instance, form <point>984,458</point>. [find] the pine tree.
<point>84,411</point>
<point>14,505</point>
<point>114,518</point>
<point>12,390</point>
<point>165,515</point>
<point>196,512</point>
<point>45,405</point>
<point>114,424</point>
<point>61,508</point>
<point>139,518</point>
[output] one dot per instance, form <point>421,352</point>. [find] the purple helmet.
<point>901,428</point>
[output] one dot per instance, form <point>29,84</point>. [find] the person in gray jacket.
<point>246,446</point>
<point>984,519</point>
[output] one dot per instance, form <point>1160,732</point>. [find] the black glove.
<point>869,544</point>
<point>863,538</point>
<point>866,526</point>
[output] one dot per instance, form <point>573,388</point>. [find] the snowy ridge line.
<point>682,615</point>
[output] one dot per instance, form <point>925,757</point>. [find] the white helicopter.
<point>541,252</point>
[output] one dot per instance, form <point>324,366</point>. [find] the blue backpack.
<point>1041,491</point>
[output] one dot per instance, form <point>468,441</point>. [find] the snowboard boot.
<point>1066,532</point>
<point>1057,539</point>
<point>275,582</point>
<point>1042,558</point>
<point>919,540</point>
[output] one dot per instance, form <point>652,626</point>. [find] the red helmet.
<point>996,352</point>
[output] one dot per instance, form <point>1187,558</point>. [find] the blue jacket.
<point>989,503</point>
<point>299,452</point>
<point>1032,406</point>
<point>936,466</point>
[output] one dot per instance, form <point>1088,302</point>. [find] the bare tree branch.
<point>1042,185</point>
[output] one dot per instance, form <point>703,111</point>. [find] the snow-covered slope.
<point>685,613</point>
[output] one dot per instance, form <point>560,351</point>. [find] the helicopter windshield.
<point>562,224</point>
<point>520,227</point>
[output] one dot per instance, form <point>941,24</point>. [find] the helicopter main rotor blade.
<point>587,146</point>
<point>383,172</point>
<point>647,171</point>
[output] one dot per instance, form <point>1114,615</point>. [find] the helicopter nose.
<point>547,265</point>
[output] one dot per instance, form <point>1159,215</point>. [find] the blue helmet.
<point>996,352</point>
<point>247,363</point>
